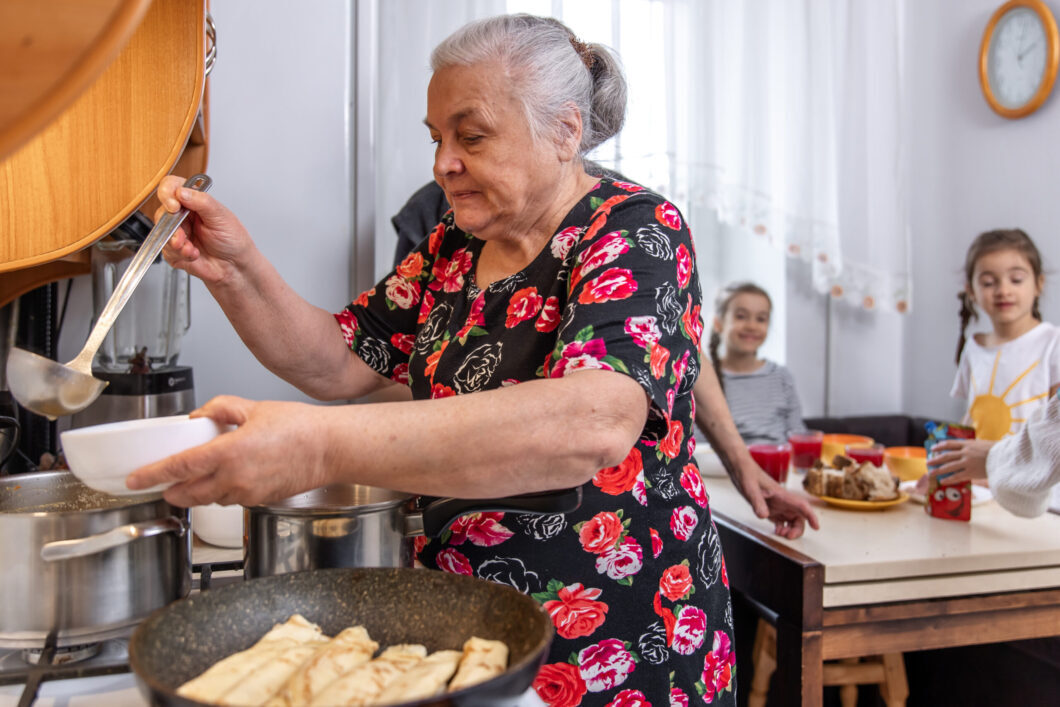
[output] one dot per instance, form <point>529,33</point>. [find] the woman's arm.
<point>297,341</point>
<point>768,499</point>
<point>535,436</point>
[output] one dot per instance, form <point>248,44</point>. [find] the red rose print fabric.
<point>633,581</point>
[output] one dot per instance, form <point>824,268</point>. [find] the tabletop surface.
<point>903,553</point>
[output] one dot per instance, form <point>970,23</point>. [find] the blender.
<point>138,357</point>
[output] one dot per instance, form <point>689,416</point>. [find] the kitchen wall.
<point>281,157</point>
<point>972,170</point>
<point>969,170</point>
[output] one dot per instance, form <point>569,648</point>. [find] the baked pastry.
<point>849,480</point>
<point>873,483</point>
<point>821,480</point>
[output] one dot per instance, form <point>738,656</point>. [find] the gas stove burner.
<point>103,658</point>
<point>64,655</point>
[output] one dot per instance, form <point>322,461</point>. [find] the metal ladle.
<point>50,388</point>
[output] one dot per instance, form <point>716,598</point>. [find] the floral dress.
<point>634,579</point>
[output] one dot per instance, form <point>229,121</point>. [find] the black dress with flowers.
<point>634,579</point>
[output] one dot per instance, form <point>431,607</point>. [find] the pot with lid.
<point>84,564</point>
<point>350,525</point>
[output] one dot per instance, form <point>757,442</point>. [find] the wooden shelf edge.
<point>15,284</point>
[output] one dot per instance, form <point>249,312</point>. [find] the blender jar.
<point>147,333</point>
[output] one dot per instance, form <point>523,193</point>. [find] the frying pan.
<point>395,605</point>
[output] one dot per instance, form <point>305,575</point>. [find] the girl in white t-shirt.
<point>1008,373</point>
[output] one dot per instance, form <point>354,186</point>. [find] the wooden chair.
<point>887,671</point>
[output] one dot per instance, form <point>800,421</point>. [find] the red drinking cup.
<point>805,448</point>
<point>773,458</point>
<point>873,453</point>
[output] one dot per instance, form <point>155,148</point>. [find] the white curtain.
<point>777,120</point>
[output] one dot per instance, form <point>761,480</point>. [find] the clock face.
<point>1017,57</point>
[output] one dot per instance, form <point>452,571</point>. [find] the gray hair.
<point>550,69</point>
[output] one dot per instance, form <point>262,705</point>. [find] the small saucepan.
<point>395,605</point>
<point>349,525</point>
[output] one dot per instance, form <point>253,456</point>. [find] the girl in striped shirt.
<point>761,393</point>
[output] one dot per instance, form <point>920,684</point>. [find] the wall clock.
<point>1018,57</point>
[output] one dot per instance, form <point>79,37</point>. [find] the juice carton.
<point>953,501</point>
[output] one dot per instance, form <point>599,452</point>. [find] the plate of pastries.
<point>848,484</point>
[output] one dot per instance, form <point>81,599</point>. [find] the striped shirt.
<point>764,403</point>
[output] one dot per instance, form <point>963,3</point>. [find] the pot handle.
<point>122,535</point>
<point>440,513</point>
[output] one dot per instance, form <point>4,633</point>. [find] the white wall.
<point>972,170</point>
<point>280,157</point>
<point>969,170</point>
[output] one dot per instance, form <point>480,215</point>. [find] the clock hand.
<point>1019,57</point>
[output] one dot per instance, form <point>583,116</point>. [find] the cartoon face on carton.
<point>953,501</point>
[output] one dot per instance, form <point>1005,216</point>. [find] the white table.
<point>888,581</point>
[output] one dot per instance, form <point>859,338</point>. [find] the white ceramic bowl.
<point>218,525</point>
<point>101,456</point>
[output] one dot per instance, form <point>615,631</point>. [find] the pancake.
<point>224,675</point>
<point>426,678</point>
<point>266,680</point>
<point>346,651</point>
<point>362,685</point>
<point>482,659</point>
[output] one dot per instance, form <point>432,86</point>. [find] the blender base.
<point>132,396</point>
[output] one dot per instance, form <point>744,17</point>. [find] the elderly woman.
<point>548,329</point>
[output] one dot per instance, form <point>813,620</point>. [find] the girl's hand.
<point>276,451</point>
<point>959,460</point>
<point>211,243</point>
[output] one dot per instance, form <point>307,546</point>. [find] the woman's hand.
<point>789,512</point>
<point>276,451</point>
<point>212,242</point>
<point>957,460</point>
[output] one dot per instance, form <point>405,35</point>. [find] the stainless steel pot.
<point>348,525</point>
<point>84,564</point>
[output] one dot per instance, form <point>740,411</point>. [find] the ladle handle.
<point>144,258</point>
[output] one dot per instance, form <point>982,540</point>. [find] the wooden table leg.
<point>799,679</point>
<point>765,662</point>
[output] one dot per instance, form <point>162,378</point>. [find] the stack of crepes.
<point>296,664</point>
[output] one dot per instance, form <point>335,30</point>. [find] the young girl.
<point>761,394</point>
<point>1008,373</point>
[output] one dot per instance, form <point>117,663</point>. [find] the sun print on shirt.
<point>991,415</point>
